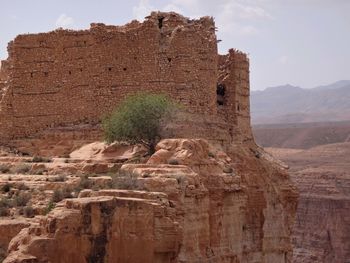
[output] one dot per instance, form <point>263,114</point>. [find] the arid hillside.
<point>301,135</point>
<point>290,104</point>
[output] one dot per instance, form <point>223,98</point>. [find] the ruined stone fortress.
<point>229,204</point>
<point>67,77</point>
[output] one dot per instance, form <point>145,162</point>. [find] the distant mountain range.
<point>290,104</point>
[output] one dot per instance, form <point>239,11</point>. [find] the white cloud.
<point>143,8</point>
<point>172,8</point>
<point>64,21</point>
<point>252,12</point>
<point>187,4</point>
<point>283,60</point>
<point>13,17</point>
<point>248,30</point>
<point>234,17</point>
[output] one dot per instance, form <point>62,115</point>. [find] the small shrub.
<point>88,175</point>
<point>210,154</point>
<point>22,199</point>
<point>173,162</point>
<point>4,211</point>
<point>39,159</point>
<point>67,192</point>
<point>66,155</point>
<point>227,170</point>
<point>60,178</point>
<point>139,119</point>
<point>5,204</point>
<point>4,168</point>
<point>136,159</point>
<point>180,178</point>
<point>6,188</point>
<point>28,211</point>
<point>57,196</point>
<point>51,205</point>
<point>60,194</point>
<point>40,171</point>
<point>95,187</point>
<point>22,186</point>
<point>125,180</point>
<point>21,169</point>
<point>85,183</point>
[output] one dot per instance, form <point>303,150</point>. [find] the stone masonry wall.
<point>67,77</point>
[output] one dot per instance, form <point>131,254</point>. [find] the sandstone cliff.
<point>205,207</point>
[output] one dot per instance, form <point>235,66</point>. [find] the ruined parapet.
<point>64,76</point>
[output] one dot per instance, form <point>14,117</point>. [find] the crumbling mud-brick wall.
<point>66,77</point>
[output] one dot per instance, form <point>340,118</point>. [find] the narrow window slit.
<point>160,22</point>
<point>220,94</point>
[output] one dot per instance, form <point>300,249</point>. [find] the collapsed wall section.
<point>65,77</point>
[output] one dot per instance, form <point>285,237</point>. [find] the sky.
<point>304,43</point>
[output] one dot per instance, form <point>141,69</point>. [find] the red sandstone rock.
<point>112,152</point>
<point>201,213</point>
<point>9,229</point>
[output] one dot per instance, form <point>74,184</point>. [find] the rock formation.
<point>208,207</point>
<point>212,196</point>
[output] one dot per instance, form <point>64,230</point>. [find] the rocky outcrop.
<point>189,203</point>
<point>109,152</point>
<point>101,229</point>
<point>8,230</point>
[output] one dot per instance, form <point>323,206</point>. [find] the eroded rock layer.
<point>208,207</point>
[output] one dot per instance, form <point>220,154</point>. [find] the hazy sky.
<point>301,42</point>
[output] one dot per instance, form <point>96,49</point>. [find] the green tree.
<point>139,119</point>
